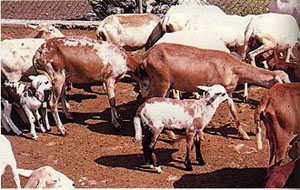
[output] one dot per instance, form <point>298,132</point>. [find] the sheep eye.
<point>46,82</point>
<point>55,180</point>
<point>223,94</point>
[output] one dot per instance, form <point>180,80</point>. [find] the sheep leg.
<point>189,144</point>
<point>5,124</point>
<point>39,120</point>
<point>245,96</point>
<point>145,143</point>
<point>15,175</point>
<point>44,113</point>
<point>31,119</point>
<point>7,121</point>
<point>289,54</point>
<point>65,103</point>
<point>110,85</point>
<point>257,51</point>
<point>234,114</point>
<point>148,143</point>
<point>197,143</point>
<point>176,94</point>
<point>270,138</point>
<point>58,85</point>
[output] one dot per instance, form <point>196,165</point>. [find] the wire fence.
<point>104,8</point>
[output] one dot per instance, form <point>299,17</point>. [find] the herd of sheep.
<point>192,49</point>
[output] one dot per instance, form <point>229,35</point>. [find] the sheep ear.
<point>31,77</point>
<point>23,172</point>
<point>205,88</point>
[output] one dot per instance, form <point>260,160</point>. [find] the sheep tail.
<point>24,172</point>
<point>138,128</point>
<point>258,117</point>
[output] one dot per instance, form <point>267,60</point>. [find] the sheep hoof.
<point>48,130</point>
<point>158,169</point>
<point>69,117</point>
<point>188,167</point>
<point>19,134</point>
<point>117,127</point>
<point>201,162</point>
<point>34,137</point>
<point>245,136</point>
<point>63,132</point>
<point>147,166</point>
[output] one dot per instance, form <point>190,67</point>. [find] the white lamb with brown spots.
<point>191,115</point>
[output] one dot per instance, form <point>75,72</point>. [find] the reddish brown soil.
<point>96,156</point>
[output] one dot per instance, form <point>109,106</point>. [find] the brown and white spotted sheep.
<point>159,113</point>
<point>81,60</point>
<point>29,97</point>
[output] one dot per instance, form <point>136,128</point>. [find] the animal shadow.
<point>225,178</point>
<point>80,97</point>
<point>126,111</point>
<point>225,131</point>
<point>133,161</point>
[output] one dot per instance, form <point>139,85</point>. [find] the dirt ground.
<point>94,155</point>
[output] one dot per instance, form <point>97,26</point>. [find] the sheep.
<point>29,97</point>
<point>291,68</point>
<point>280,176</point>
<point>195,39</point>
<point>16,55</point>
<point>130,31</point>
<point>158,113</point>
<point>46,177</point>
<point>229,28</point>
<point>279,109</point>
<point>274,31</point>
<point>177,16</point>
<point>7,158</point>
<point>184,68</point>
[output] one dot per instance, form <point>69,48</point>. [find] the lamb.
<point>46,177</point>
<point>29,97</point>
<point>156,113</point>
<point>7,158</point>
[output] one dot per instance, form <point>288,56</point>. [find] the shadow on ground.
<point>224,178</point>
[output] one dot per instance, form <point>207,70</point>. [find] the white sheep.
<point>46,177</point>
<point>177,16</point>
<point>274,31</point>
<point>194,38</point>
<point>7,158</point>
